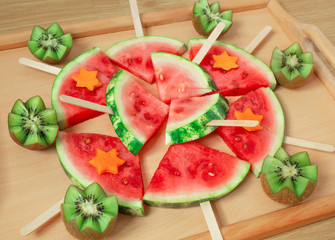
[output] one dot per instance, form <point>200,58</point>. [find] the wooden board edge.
<point>311,39</point>
<point>276,222</point>
<point>124,23</point>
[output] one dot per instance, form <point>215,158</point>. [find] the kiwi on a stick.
<point>288,179</point>
<point>206,16</point>
<point>292,67</point>
<point>89,213</point>
<point>50,45</point>
<point>32,125</point>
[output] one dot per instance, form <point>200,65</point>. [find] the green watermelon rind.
<point>188,200</point>
<point>196,128</point>
<point>133,143</point>
<point>57,84</point>
<point>120,46</point>
<point>278,132</point>
<point>126,206</point>
<point>258,63</point>
<point>198,73</point>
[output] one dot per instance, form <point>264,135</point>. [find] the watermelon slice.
<point>137,113</point>
<point>251,73</point>
<point>254,146</point>
<point>75,150</point>
<point>92,60</point>
<point>188,117</point>
<point>133,54</point>
<point>177,77</point>
<point>191,172</point>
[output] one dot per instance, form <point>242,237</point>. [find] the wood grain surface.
<point>44,187</point>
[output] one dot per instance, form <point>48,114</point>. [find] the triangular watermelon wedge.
<point>251,73</point>
<point>92,60</point>
<point>177,77</point>
<point>191,172</point>
<point>75,150</point>
<point>254,146</point>
<point>137,113</point>
<point>133,54</point>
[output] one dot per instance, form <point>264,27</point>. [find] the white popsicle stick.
<point>86,104</point>
<point>211,220</point>
<point>136,18</point>
<point>40,66</point>
<point>233,123</point>
<point>209,42</point>
<point>309,144</point>
<point>41,219</point>
<point>258,39</point>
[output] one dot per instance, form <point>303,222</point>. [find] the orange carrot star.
<point>225,61</point>
<point>107,161</point>
<point>87,79</point>
<point>249,115</point>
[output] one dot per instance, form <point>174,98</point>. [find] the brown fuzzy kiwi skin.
<point>87,233</point>
<point>294,83</point>
<point>285,195</point>
<point>34,146</point>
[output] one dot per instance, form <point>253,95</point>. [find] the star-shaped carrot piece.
<point>249,115</point>
<point>225,61</point>
<point>107,161</point>
<point>87,79</point>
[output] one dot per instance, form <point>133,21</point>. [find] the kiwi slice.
<point>288,179</point>
<point>31,125</point>
<point>50,45</point>
<point>292,67</point>
<point>207,16</point>
<point>89,213</point>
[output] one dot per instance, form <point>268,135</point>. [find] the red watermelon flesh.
<point>133,54</point>
<point>68,114</point>
<point>254,146</point>
<point>251,73</point>
<point>75,150</point>
<point>190,172</point>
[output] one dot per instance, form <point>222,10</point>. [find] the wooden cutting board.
<point>33,181</point>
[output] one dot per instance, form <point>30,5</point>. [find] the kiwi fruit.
<point>288,179</point>
<point>292,67</point>
<point>50,45</point>
<point>32,125</point>
<point>89,213</point>
<point>206,16</point>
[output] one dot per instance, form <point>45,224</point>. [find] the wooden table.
<point>19,15</point>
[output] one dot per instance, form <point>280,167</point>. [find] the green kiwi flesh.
<point>32,125</point>
<point>207,16</point>
<point>89,213</point>
<point>50,45</point>
<point>288,179</point>
<point>292,67</point>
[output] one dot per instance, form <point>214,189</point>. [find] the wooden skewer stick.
<point>258,39</point>
<point>86,104</point>
<point>233,123</point>
<point>41,219</point>
<point>136,18</point>
<point>40,66</point>
<point>309,144</point>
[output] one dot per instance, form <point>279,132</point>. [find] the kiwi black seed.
<point>32,125</point>
<point>292,67</point>
<point>288,179</point>
<point>50,45</point>
<point>206,16</point>
<point>89,213</point>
